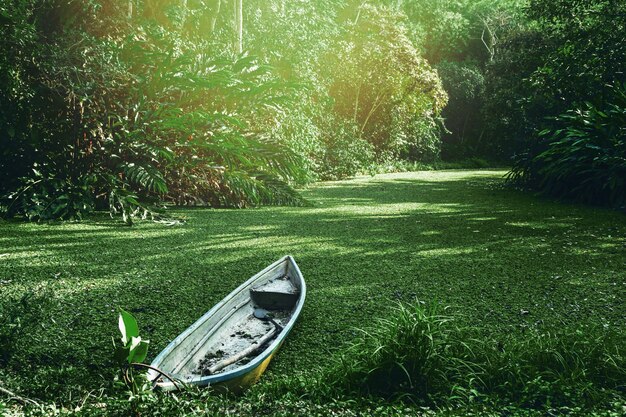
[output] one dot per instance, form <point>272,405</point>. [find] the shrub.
<point>583,156</point>
<point>345,154</point>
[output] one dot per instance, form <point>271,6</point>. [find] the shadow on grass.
<point>508,260</point>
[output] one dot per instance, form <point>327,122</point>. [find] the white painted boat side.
<point>187,347</point>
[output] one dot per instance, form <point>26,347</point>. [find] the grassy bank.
<point>508,263</point>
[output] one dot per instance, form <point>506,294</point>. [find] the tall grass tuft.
<point>398,355</point>
<point>421,354</point>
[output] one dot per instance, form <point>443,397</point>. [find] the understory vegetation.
<point>534,289</point>
<point>130,106</point>
<point>421,354</point>
<point>407,153</point>
<point>133,106</point>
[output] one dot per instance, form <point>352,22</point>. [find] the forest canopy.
<point>133,105</point>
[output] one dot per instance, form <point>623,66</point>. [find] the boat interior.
<point>232,327</point>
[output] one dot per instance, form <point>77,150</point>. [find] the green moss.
<point>507,260</point>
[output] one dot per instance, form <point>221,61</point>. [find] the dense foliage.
<point>511,68</point>
<point>557,99</point>
<point>583,157</point>
<point>142,115</point>
<point>131,106</point>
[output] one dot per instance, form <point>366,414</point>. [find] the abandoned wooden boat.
<point>232,344</point>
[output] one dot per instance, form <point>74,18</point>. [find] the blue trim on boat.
<point>252,365</point>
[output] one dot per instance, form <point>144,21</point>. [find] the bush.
<point>48,198</point>
<point>345,154</point>
<point>583,157</point>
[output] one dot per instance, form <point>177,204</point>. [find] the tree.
<point>238,5</point>
<point>381,84</point>
<point>565,85</point>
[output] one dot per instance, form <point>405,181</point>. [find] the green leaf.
<point>139,352</point>
<point>121,354</point>
<point>128,326</point>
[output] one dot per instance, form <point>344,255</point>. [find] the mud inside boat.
<point>250,334</point>
<point>231,345</point>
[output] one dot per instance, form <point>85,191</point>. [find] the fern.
<point>146,176</point>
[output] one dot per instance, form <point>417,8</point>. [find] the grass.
<point>508,263</point>
<point>420,354</point>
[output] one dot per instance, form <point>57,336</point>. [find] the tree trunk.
<point>356,103</point>
<point>377,103</point>
<point>215,12</point>
<point>238,26</point>
<point>183,5</point>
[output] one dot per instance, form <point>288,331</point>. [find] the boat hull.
<point>180,357</point>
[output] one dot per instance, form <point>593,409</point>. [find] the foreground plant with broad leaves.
<point>584,157</point>
<point>131,352</point>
